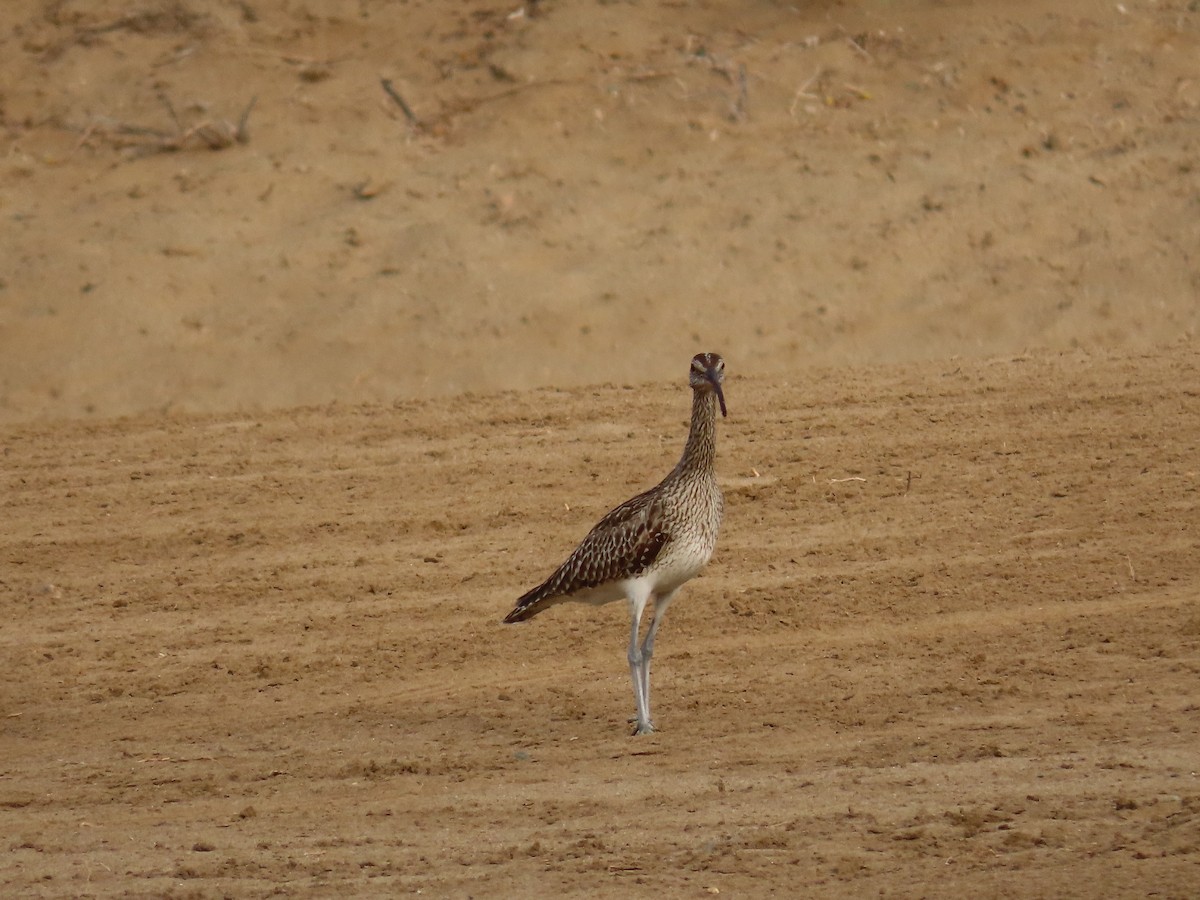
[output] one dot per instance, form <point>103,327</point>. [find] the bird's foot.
<point>644,728</point>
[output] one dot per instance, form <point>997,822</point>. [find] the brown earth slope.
<point>948,647</point>
<point>597,190</point>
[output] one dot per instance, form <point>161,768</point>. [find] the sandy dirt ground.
<point>298,397</point>
<point>590,194</point>
<point>949,646</point>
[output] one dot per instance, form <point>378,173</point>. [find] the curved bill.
<point>720,393</point>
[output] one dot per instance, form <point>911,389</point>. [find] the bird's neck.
<point>700,451</point>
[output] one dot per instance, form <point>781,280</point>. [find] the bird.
<point>644,550</point>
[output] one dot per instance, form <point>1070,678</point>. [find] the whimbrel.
<point>646,548</point>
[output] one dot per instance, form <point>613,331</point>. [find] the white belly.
<point>680,562</point>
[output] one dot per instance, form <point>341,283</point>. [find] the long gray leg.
<point>638,597</point>
<point>647,648</point>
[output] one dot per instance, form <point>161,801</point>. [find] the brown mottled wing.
<point>623,544</point>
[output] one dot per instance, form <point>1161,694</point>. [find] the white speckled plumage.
<point>648,547</point>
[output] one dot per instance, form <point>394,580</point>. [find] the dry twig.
<point>400,102</point>
<point>210,134</point>
<point>738,112</point>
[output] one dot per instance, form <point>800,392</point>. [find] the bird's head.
<point>708,374</point>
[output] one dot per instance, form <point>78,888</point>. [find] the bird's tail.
<point>530,604</point>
